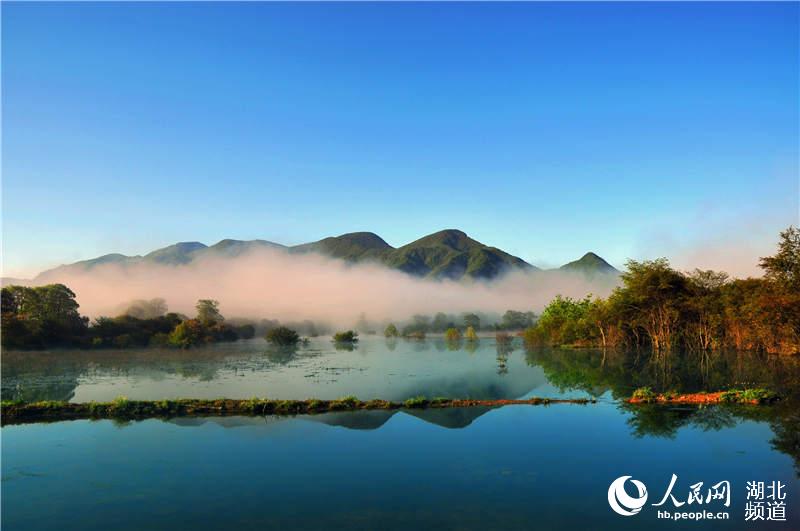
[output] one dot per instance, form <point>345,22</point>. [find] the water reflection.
<point>397,369</point>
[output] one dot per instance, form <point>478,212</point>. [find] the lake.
<point>517,467</point>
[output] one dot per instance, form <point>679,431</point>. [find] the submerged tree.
<point>452,334</point>
<point>282,336</point>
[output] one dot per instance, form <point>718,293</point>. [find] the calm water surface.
<point>517,467</point>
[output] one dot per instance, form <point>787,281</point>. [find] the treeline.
<point>442,323</point>
<point>662,308</point>
<point>47,316</point>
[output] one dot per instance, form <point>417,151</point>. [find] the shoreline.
<point>124,409</point>
<point>733,396</point>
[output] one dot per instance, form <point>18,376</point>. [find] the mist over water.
<point>265,283</point>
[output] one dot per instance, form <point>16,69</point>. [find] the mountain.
<point>452,254</point>
<point>231,248</point>
<point>180,253</point>
<point>353,247</point>
<point>590,264</point>
<point>447,254</point>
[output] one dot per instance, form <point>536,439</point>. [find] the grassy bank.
<point>122,408</point>
<point>644,395</point>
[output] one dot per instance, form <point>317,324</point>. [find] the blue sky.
<point>544,129</point>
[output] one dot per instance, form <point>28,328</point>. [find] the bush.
<point>452,334</point>
<point>391,331</point>
<point>282,336</point>
<point>345,337</point>
<point>417,401</point>
<point>645,394</point>
<point>414,334</point>
<point>503,338</point>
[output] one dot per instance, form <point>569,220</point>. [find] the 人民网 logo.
<point>621,502</point>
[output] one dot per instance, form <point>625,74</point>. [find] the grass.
<point>645,394</point>
<point>416,402</point>
<point>745,396</point>
<point>123,409</point>
<point>731,396</point>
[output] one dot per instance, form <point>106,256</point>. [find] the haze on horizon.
<point>546,130</point>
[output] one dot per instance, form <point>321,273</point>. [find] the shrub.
<point>452,334</point>
<point>391,331</point>
<point>282,336</point>
<point>503,338</point>
<point>415,402</point>
<point>645,394</point>
<point>345,337</point>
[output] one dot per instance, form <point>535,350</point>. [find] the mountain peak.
<point>178,253</point>
<point>590,263</point>
<point>452,238</point>
<point>368,240</point>
<point>352,246</point>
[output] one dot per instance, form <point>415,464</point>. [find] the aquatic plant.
<point>348,336</point>
<point>644,394</point>
<point>282,336</point>
<point>416,402</point>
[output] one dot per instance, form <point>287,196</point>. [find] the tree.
<point>654,292</point>
<point>345,337</point>
<point>440,322</point>
<point>41,316</point>
<point>513,320</point>
<point>452,334</point>
<point>188,334</point>
<point>391,331</point>
<point>470,334</point>
<point>784,266</point>
<point>144,309</point>
<point>282,336</point>
<point>470,319</point>
<point>421,323</point>
<point>208,312</point>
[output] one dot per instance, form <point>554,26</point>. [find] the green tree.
<point>208,312</point>
<point>187,334</point>
<point>348,336</point>
<point>391,331</point>
<point>440,322</point>
<point>452,334</point>
<point>470,334</point>
<point>282,336</point>
<point>471,319</point>
<point>35,317</point>
<point>784,266</point>
<point>513,320</point>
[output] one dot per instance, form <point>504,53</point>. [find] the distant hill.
<point>452,254</point>
<point>590,264</point>
<point>449,254</point>
<point>353,247</point>
<point>445,254</point>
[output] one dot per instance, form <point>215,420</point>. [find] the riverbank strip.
<point>124,409</point>
<point>644,395</point>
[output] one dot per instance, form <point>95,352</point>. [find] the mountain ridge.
<point>445,254</point>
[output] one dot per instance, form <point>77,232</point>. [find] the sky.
<point>547,130</point>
